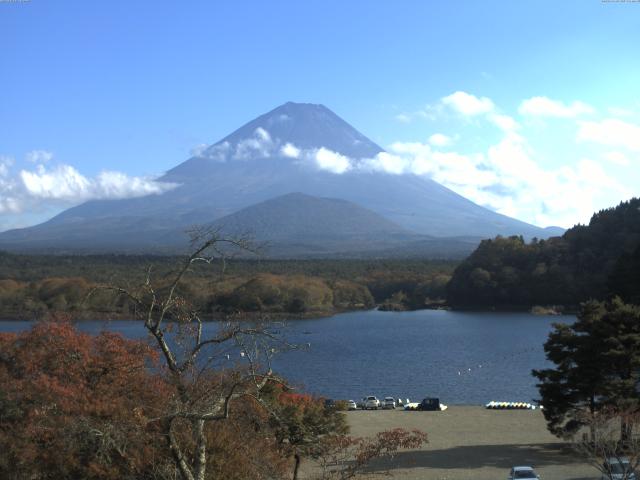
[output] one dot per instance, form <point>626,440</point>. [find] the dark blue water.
<point>461,357</point>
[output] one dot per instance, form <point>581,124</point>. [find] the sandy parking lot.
<point>474,443</point>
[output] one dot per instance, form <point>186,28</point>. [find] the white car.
<point>351,405</point>
<point>525,473</point>
<point>389,402</point>
<point>371,403</point>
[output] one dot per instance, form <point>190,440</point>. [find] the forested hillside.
<point>33,285</point>
<point>588,261</point>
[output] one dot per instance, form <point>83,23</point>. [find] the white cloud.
<point>321,158</point>
<point>111,184</point>
<point>620,112</point>
<point>617,158</point>
<point>38,156</point>
<point>611,132</point>
<point>65,183</point>
<point>8,202</point>
<point>403,118</point>
<point>331,161</point>
<point>198,150</point>
<point>262,134</point>
<point>283,117</point>
<point>546,107</point>
<point>217,153</point>
<point>440,140</point>
<point>38,188</point>
<point>503,122</point>
<point>507,178</point>
<point>385,162</point>
<point>290,150</point>
<point>470,106</point>
<point>259,145</point>
<point>467,104</point>
<point>5,164</point>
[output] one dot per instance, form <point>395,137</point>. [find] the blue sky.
<point>535,106</point>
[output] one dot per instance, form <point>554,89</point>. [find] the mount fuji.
<point>298,177</point>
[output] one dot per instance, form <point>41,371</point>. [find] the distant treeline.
<point>33,285</point>
<point>595,261</point>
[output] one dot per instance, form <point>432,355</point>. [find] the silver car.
<point>389,402</point>
<point>371,403</point>
<point>522,472</point>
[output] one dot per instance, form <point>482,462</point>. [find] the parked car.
<point>371,403</point>
<point>329,403</point>
<point>429,404</point>
<point>523,472</point>
<point>389,402</point>
<point>351,405</point>
<point>618,468</point>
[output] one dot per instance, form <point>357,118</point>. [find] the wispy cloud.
<point>9,202</point>
<point>617,158</point>
<point>38,156</point>
<point>508,179</point>
<point>198,150</point>
<point>546,107</point>
<point>509,175</point>
<point>440,140</point>
<point>258,145</point>
<point>403,118</point>
<point>467,104</point>
<point>611,132</point>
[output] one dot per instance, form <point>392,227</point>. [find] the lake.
<point>461,357</point>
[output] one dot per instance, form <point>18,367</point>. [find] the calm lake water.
<point>461,357</point>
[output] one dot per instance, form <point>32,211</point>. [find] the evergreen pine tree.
<point>597,365</point>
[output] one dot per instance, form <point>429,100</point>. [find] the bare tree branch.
<point>202,395</point>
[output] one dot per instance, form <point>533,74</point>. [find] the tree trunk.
<point>297,466</point>
<point>592,427</point>
<point>176,452</point>
<point>201,450</point>
<point>625,433</point>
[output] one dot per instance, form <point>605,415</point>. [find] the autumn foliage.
<point>77,406</point>
<point>74,405</point>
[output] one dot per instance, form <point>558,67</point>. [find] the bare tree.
<point>341,457</point>
<point>208,366</point>
<point>615,454</point>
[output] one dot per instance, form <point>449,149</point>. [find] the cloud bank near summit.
<point>48,187</point>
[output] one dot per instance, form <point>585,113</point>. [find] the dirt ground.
<point>473,443</point>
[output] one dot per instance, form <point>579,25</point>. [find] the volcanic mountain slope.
<point>299,225</point>
<point>294,148</point>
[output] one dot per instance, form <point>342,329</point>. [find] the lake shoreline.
<point>209,318</point>
<point>539,310</point>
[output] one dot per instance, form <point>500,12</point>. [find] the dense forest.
<point>589,261</point>
<point>33,285</point>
